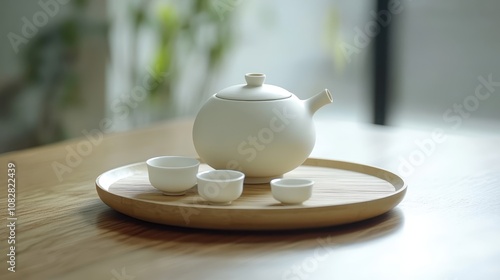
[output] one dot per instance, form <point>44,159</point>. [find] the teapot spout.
<point>318,101</point>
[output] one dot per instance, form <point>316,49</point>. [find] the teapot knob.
<point>255,79</point>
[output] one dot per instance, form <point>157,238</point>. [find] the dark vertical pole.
<point>381,67</point>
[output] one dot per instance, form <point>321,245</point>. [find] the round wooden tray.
<point>344,192</point>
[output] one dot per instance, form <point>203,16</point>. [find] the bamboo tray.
<point>344,192</point>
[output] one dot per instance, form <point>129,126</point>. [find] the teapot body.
<point>263,139</point>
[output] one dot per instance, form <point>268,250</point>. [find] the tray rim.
<point>396,197</point>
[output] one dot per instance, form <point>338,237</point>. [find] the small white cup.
<point>173,175</point>
<point>220,187</point>
<point>291,191</point>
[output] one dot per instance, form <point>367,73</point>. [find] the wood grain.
<point>340,195</point>
<point>447,226</point>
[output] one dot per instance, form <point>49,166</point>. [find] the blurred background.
<point>68,67</point>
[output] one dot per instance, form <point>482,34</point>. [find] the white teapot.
<point>260,129</point>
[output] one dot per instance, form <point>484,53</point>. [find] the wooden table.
<point>447,227</point>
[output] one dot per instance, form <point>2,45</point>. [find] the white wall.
<point>443,47</point>
<point>288,41</point>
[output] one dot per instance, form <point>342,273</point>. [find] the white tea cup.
<point>291,191</point>
<point>220,187</point>
<point>172,175</point>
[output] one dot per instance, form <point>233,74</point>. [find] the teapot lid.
<point>253,90</point>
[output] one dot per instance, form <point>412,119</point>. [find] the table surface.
<point>447,227</point>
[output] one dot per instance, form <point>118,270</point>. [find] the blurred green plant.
<point>180,29</point>
<point>48,64</point>
<point>332,38</point>
<point>49,60</point>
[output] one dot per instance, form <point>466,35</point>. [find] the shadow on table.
<point>132,231</point>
